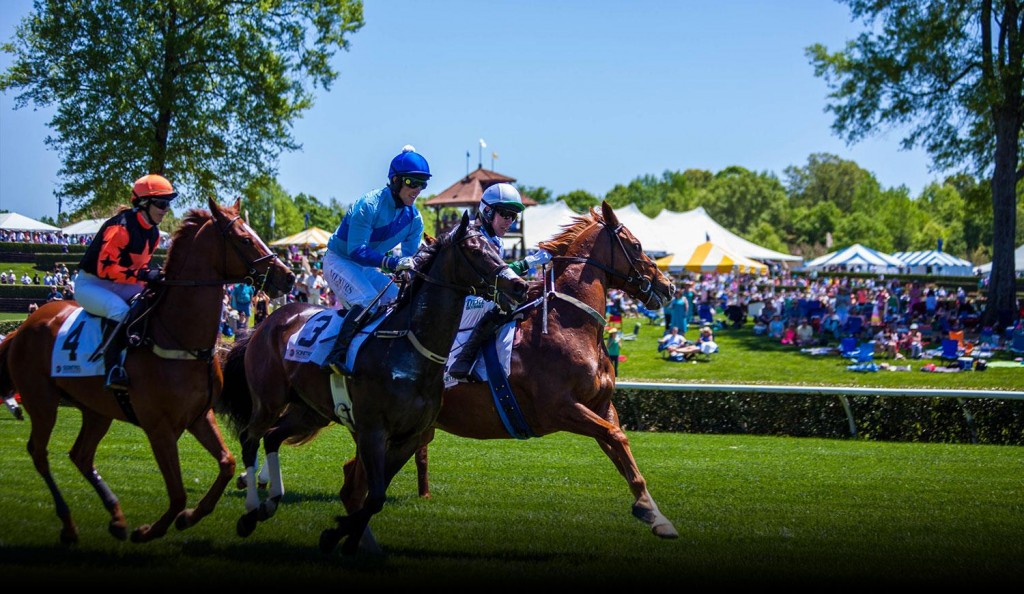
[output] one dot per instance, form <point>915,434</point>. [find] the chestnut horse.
<point>175,377</point>
<point>561,340</point>
<point>395,385</point>
<point>560,372</point>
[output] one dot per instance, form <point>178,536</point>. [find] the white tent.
<point>1018,262</point>
<point>86,227</point>
<point>935,262</point>
<point>544,221</point>
<point>682,232</point>
<point>857,257</point>
<point>12,221</point>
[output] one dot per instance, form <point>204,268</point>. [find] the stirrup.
<point>117,379</point>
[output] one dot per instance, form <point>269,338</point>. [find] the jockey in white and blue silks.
<point>377,223</point>
<point>500,206</point>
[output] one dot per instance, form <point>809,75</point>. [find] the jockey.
<point>500,206</point>
<point>115,267</point>
<point>356,259</point>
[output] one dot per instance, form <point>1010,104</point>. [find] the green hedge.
<point>883,418</point>
<point>25,291</point>
<point>42,248</point>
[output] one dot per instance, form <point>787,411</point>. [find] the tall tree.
<point>951,73</point>
<point>204,92</point>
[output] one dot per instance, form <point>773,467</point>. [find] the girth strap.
<point>430,355</point>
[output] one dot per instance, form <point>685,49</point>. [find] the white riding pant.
<point>355,284</point>
<point>105,298</point>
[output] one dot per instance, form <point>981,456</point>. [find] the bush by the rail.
<point>883,418</point>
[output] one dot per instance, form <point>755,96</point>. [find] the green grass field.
<point>837,514</point>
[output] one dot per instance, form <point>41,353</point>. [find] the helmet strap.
<point>395,185</point>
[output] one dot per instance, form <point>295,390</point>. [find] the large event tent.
<point>670,233</point>
<point>12,221</point>
<point>711,257</point>
<point>1018,262</point>
<point>545,221</point>
<point>313,238</point>
<point>935,262</point>
<point>857,257</point>
<point>86,227</point>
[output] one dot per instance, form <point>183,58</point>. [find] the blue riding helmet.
<point>409,162</point>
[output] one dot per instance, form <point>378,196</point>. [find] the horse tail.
<point>235,400</point>
<point>6,385</point>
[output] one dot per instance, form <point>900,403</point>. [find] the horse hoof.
<point>141,534</point>
<point>69,537</point>
<point>267,509</point>
<point>665,530</point>
<point>329,539</point>
<point>240,482</point>
<point>246,525</point>
<point>351,546</point>
<point>184,520</point>
<point>118,531</point>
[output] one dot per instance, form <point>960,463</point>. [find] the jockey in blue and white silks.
<point>377,223</point>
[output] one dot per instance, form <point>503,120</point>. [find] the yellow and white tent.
<point>314,237</point>
<point>711,257</point>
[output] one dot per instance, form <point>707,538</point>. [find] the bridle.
<point>642,283</point>
<point>488,280</point>
<point>252,276</point>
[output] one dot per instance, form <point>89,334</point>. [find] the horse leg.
<point>44,418</point>
<point>164,445</point>
<point>207,432</point>
<point>272,461</point>
<point>615,444</point>
<point>83,456</point>
<point>246,524</point>
<point>422,477</point>
<point>371,448</point>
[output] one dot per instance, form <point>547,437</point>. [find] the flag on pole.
<point>467,154</point>
<point>482,143</point>
<point>494,155</point>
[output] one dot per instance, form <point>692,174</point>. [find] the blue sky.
<point>570,95</point>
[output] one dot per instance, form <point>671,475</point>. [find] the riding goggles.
<point>508,215</point>
<point>160,203</point>
<point>414,182</point>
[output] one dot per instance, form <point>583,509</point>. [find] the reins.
<point>461,289</point>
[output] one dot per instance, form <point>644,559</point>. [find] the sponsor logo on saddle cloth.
<point>314,341</point>
<point>77,340</point>
<point>474,309</point>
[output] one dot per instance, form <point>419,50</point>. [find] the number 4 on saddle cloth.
<point>78,338</point>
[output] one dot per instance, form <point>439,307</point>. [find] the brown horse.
<point>560,372</point>
<point>175,376</point>
<point>395,386</point>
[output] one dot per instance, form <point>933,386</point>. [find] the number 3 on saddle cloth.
<point>79,337</point>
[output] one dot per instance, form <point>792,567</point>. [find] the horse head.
<point>475,266</point>
<point>249,259</point>
<point>600,240</point>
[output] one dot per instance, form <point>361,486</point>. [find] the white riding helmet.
<point>502,196</point>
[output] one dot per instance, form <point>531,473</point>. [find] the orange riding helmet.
<point>151,186</point>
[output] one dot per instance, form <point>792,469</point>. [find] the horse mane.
<point>558,244</point>
<point>194,219</point>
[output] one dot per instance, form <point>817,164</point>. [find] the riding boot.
<point>117,377</point>
<point>463,364</point>
<point>335,361</point>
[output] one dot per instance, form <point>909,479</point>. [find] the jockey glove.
<point>540,258</point>
<point>151,275</point>
<point>399,264</point>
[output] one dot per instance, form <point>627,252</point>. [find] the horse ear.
<point>610,218</point>
<point>464,224</point>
